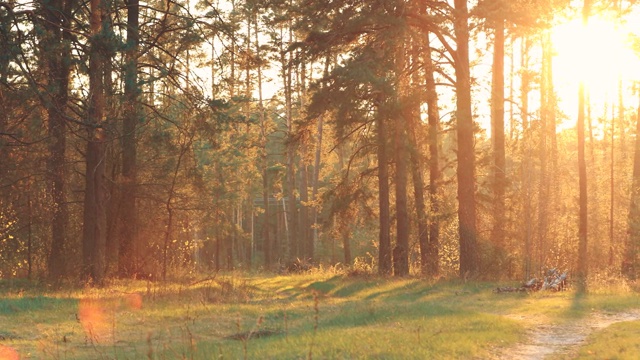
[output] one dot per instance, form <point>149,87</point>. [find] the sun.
<point>598,54</point>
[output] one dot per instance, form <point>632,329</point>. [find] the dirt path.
<point>546,338</point>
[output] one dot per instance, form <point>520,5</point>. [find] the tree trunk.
<point>5,25</point>
<point>612,172</point>
<point>218,235</point>
<point>341,223</point>
<point>433,119</point>
<point>497,137</point>
<point>546,100</point>
<point>112,171</point>
<point>94,231</point>
<point>512,76</point>
<point>412,111</point>
<point>401,250</point>
<point>29,234</point>
<point>630,257</point>
<point>171,194</point>
<point>291,172</point>
<point>418,192</point>
<point>57,52</point>
<point>384,247</point>
<point>316,180</point>
<point>127,262</point>
<point>527,162</point>
<point>306,249</point>
<point>167,239</point>
<point>232,54</point>
<point>582,171</point>
<point>305,228</point>
<point>316,167</point>
<point>292,215</point>
<point>554,174</point>
<point>469,264</point>
<point>345,236</point>
<point>268,247</point>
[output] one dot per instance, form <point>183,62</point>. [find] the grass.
<point>618,341</point>
<point>321,316</point>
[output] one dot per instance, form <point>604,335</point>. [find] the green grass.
<point>618,341</point>
<point>321,316</point>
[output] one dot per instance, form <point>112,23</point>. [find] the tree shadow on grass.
<point>12,306</point>
<point>343,287</point>
<point>578,306</point>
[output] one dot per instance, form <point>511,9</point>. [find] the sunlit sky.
<point>599,54</point>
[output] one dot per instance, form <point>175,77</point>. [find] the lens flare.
<point>133,301</point>
<point>8,353</point>
<point>96,317</point>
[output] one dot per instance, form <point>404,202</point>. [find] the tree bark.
<point>171,194</point>
<point>57,51</point>
<point>582,173</point>
<point>316,180</point>
<point>469,264</point>
<point>433,119</point>
<point>127,262</point>
<point>384,236</point>
<point>232,54</point>
<point>291,156</point>
<point>401,250</point>
<point>94,230</point>
<point>418,192</point>
<point>546,110</point>
<point>497,137</point>
<point>630,257</point>
<point>305,228</point>
<point>345,235</point>
<point>527,162</point>
<point>316,167</point>
<point>306,250</point>
<point>343,227</point>
<point>112,171</point>
<point>268,247</point>
<point>412,111</point>
<point>612,241</point>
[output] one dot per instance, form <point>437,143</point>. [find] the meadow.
<point>319,315</point>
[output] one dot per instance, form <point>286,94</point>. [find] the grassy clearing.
<point>278,317</point>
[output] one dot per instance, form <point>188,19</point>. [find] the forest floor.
<point>317,315</point>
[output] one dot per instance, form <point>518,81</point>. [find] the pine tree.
<point>56,49</point>
<point>469,263</point>
<point>128,251</point>
<point>94,228</point>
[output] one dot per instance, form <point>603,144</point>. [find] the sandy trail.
<point>546,338</point>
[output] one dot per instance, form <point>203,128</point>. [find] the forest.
<point>165,138</point>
